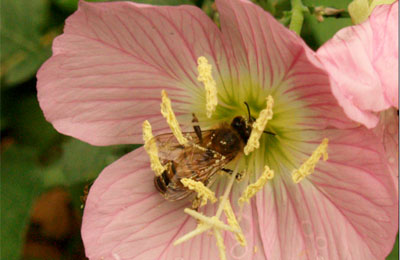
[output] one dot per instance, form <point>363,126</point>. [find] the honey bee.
<point>206,154</point>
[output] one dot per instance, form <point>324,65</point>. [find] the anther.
<point>252,189</point>
<point>202,191</point>
<point>259,126</point>
<point>308,167</point>
<point>151,148</point>
<point>168,113</point>
<point>205,76</point>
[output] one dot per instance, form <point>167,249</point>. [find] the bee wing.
<point>169,148</point>
<point>195,164</point>
<point>196,160</point>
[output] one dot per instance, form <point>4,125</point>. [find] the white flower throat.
<point>203,192</point>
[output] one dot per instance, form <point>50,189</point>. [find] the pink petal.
<point>347,209</point>
<point>384,24</point>
<point>387,130</point>
<point>362,61</point>
<point>126,218</point>
<point>110,65</point>
<point>269,57</point>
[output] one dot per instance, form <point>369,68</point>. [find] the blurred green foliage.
<point>34,157</point>
<point>25,44</point>
<point>20,184</point>
<point>394,255</point>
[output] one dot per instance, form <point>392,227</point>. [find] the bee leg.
<point>197,128</point>
<point>227,170</point>
<point>270,133</point>
<point>239,175</point>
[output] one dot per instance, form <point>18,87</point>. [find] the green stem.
<point>296,21</point>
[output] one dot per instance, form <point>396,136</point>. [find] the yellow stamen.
<point>259,126</point>
<point>207,223</point>
<point>168,113</point>
<point>205,76</point>
<point>307,168</point>
<point>252,189</point>
<point>220,244</point>
<point>151,149</point>
<point>233,223</point>
<point>203,192</point>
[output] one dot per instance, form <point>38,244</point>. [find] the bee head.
<point>241,126</point>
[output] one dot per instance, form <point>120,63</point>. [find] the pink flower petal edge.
<point>388,131</point>
<point>125,217</point>
<point>384,24</point>
<point>108,68</point>
<point>347,209</point>
<point>362,61</point>
<point>110,65</point>
<point>270,56</point>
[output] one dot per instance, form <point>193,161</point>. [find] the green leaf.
<point>26,121</point>
<point>53,175</point>
<point>82,162</point>
<point>24,47</point>
<point>20,185</point>
<point>317,33</point>
<point>267,5</point>
<point>339,4</point>
<point>394,255</point>
<point>156,2</point>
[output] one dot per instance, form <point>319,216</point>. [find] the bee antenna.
<point>270,133</point>
<point>248,110</point>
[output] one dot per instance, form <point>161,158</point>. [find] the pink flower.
<point>362,61</point>
<point>387,131</point>
<point>104,79</point>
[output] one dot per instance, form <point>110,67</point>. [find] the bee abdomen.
<point>162,182</point>
<point>159,184</point>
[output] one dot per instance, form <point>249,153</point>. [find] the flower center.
<point>279,115</point>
